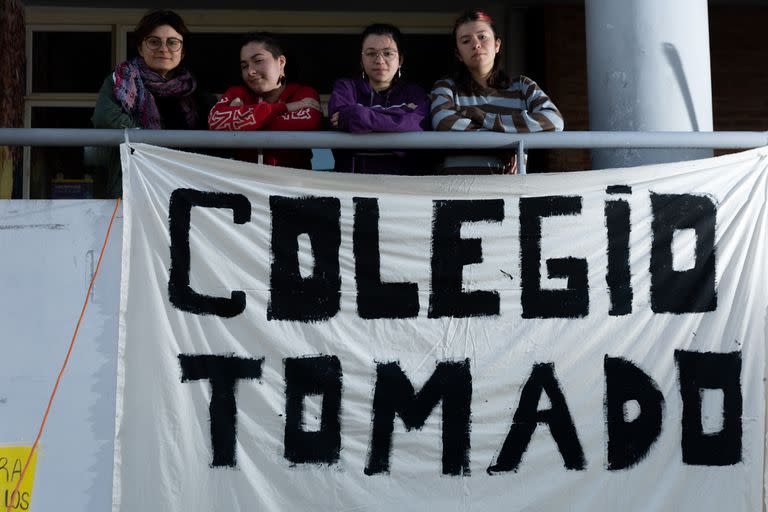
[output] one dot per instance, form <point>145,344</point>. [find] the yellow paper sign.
<point>12,460</point>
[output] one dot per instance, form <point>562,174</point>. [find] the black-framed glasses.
<point>172,43</point>
<point>387,53</point>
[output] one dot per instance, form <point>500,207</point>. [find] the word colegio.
<point>317,297</point>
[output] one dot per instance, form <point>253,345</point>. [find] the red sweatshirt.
<point>257,114</point>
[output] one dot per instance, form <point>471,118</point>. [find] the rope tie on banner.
<point>66,359</point>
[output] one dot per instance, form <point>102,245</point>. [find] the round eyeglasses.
<point>387,53</point>
<point>155,43</point>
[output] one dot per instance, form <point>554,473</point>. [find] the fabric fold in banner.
<point>292,340</point>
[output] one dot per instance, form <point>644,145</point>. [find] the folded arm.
<point>226,116</point>
<point>537,112</point>
<point>350,116</point>
<point>302,113</point>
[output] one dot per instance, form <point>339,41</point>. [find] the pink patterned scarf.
<point>136,87</point>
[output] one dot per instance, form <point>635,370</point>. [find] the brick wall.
<point>738,53</point>
<point>565,72</point>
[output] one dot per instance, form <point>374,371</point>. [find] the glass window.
<point>54,54</point>
<point>65,172</point>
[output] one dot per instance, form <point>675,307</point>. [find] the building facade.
<point>51,80</point>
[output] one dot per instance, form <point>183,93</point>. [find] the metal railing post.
<point>520,157</point>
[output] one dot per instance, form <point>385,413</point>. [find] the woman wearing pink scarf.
<point>154,90</point>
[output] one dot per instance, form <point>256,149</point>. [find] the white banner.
<point>292,340</point>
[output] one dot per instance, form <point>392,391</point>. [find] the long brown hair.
<point>497,78</point>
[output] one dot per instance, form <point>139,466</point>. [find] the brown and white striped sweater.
<point>520,108</point>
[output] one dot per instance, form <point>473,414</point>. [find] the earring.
<point>281,80</point>
<point>363,75</point>
<point>399,73</point>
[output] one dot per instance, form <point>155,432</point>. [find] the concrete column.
<point>648,70</point>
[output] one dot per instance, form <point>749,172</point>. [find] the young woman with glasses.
<point>266,101</point>
<point>378,100</point>
<point>480,96</point>
<point>153,90</point>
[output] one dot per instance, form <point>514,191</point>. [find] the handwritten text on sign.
<point>569,341</point>
<point>316,298</point>
<point>12,460</point>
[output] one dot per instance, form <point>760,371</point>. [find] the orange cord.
<point>66,359</point>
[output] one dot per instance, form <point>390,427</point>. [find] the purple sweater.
<point>401,108</point>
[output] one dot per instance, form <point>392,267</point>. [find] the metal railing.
<point>412,140</point>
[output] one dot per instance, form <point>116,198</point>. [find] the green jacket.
<point>109,113</point>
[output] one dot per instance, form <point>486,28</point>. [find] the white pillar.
<point>648,70</point>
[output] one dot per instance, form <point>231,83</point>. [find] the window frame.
<point>82,101</point>
<point>29,38</point>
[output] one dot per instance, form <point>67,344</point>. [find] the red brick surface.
<point>738,53</point>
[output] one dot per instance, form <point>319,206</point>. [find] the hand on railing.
<point>513,167</point>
